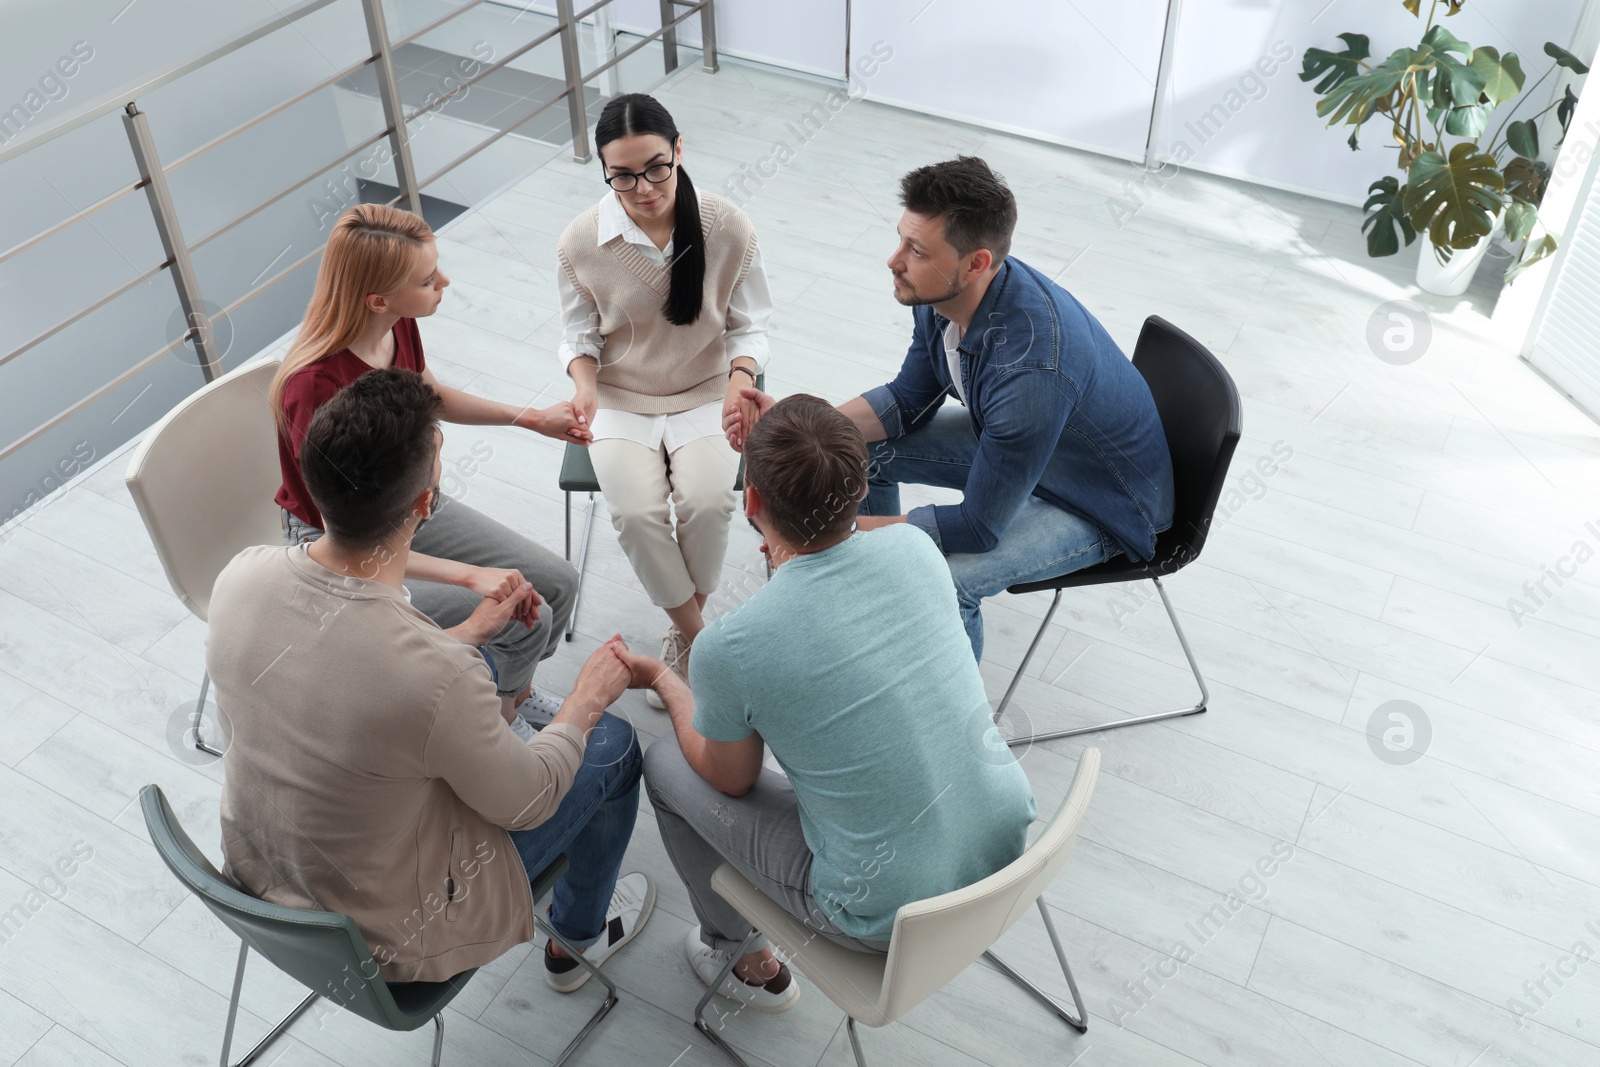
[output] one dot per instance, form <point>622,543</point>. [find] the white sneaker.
<point>675,654</point>
<point>777,994</point>
<point>632,901</point>
<point>538,710</point>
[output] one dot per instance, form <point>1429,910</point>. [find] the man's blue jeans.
<point>1042,541</point>
<point>592,827</point>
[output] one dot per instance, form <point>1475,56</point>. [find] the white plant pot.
<point>1455,277</point>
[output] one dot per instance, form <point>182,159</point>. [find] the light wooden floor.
<point>1374,564</point>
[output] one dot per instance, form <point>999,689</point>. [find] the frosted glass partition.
<point>1076,74</point>
<point>1225,114</point>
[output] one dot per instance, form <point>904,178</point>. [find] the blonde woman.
<point>665,307</point>
<point>490,586</point>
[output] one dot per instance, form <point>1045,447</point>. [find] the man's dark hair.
<point>978,208</point>
<point>809,463</point>
<point>368,454</point>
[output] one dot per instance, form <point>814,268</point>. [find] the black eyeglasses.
<point>655,174</point>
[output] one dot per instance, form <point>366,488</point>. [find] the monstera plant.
<point>1438,100</point>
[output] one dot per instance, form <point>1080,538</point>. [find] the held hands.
<point>741,411</point>
<point>603,676</point>
<point>564,421</point>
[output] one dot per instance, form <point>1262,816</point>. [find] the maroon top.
<point>310,388</point>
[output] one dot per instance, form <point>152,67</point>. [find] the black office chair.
<point>577,476</point>
<point>1202,418</point>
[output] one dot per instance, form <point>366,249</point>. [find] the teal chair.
<point>324,951</point>
<point>577,476</point>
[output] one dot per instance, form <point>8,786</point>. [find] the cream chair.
<point>203,479</point>
<point>933,940</point>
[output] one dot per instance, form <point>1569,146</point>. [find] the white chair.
<point>203,479</point>
<point>933,940</point>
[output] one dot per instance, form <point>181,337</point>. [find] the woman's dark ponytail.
<point>633,113</point>
<point>687,291</point>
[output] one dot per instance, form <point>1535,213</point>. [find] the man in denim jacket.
<point>1057,445</point>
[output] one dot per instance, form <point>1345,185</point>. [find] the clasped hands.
<point>741,411</point>
<point>613,668</point>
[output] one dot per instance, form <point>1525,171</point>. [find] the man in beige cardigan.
<point>369,770</point>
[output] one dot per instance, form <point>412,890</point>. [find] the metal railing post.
<point>708,37</point>
<point>172,242</point>
<point>669,37</point>
<point>577,114</point>
<point>394,112</point>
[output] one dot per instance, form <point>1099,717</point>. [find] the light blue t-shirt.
<point>853,666</point>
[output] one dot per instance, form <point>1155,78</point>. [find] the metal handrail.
<point>105,201</point>
<point>291,187</point>
<point>39,338</point>
<point>114,101</point>
<point>96,395</point>
<point>153,172</point>
<point>265,115</point>
<point>484,73</point>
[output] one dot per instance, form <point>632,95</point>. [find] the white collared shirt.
<point>952,357</point>
<point>749,310</point>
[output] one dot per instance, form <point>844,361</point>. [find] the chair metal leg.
<point>1037,637</point>
<point>275,1033</point>
<point>855,1041</point>
<point>200,742</point>
<point>438,1038</point>
<point>594,972</point>
<point>700,1023</point>
<point>1079,1023</point>
<point>583,557</point>
<point>1176,713</point>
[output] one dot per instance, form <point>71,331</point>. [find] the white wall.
<point>1272,133</point>
<point>1075,74</point>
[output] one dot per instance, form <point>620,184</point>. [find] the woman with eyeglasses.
<point>665,305</point>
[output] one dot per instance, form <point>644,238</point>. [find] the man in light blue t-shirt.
<point>853,667</point>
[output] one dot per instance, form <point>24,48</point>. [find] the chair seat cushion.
<point>577,472</point>
<point>852,980</point>
<point>421,1001</point>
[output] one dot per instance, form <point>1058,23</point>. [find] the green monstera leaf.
<point>1502,76</point>
<point>1525,179</point>
<point>1543,248</point>
<point>1520,217</point>
<point>1456,83</point>
<point>1386,220</point>
<point>1454,199</point>
<point>1564,112</point>
<point>1334,68</point>
<point>1523,137</point>
<point>1565,58</point>
<point>1354,100</point>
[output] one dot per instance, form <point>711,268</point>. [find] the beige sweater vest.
<point>648,365</point>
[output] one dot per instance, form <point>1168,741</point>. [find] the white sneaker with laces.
<point>632,901</point>
<point>675,654</point>
<point>776,995</point>
<point>537,711</point>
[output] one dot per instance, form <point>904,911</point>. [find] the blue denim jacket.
<point>1058,411</point>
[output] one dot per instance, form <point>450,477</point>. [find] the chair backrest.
<point>934,939</point>
<point>1203,418</point>
<point>322,950</point>
<point>204,478</point>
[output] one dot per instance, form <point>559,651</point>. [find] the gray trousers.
<point>457,532</point>
<point>758,833</point>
